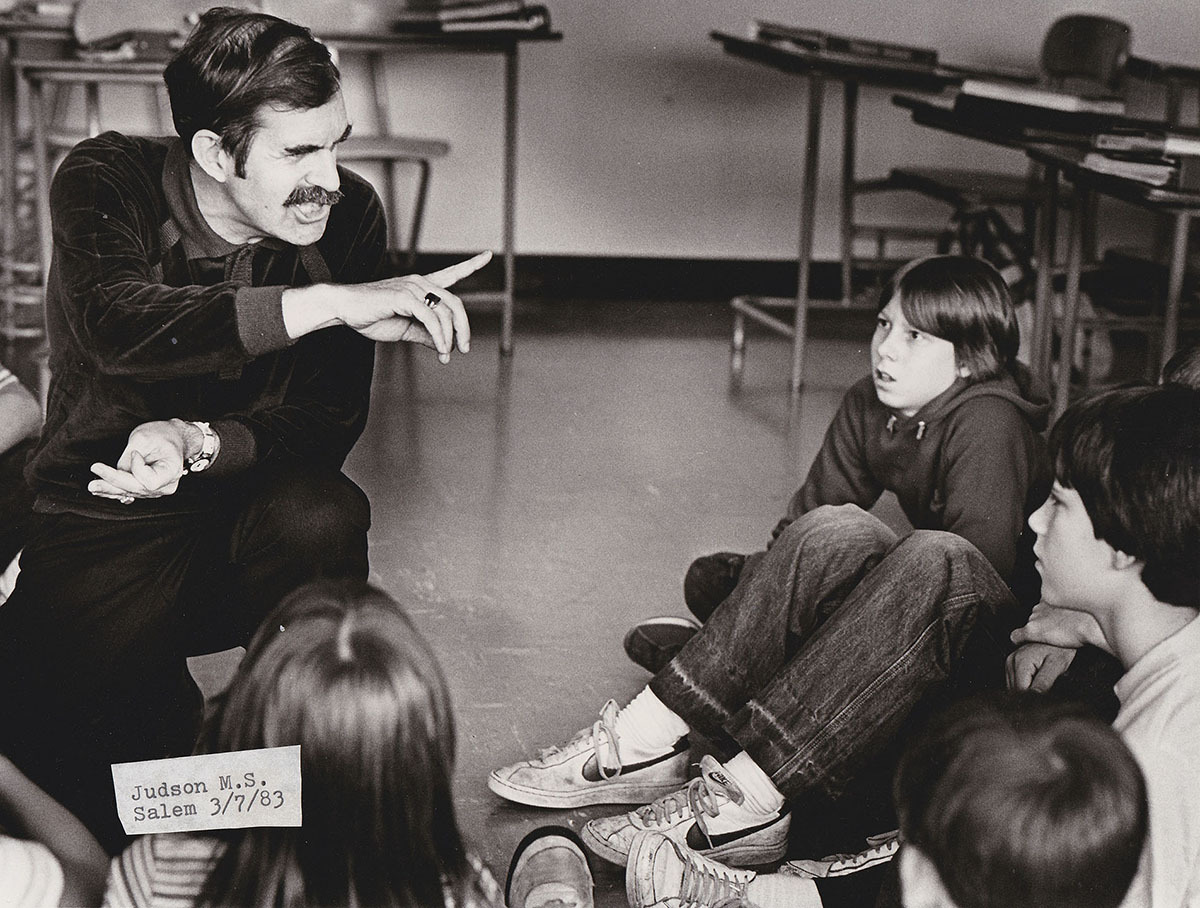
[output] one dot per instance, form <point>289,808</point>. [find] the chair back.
<point>1086,48</point>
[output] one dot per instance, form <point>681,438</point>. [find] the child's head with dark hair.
<point>1183,368</point>
<point>340,670</point>
<point>1016,801</point>
<point>233,63</point>
<point>942,320</point>
<point>1132,455</point>
<point>964,301</point>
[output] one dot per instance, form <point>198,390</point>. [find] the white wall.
<point>639,136</point>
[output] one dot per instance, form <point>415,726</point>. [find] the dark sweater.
<point>972,462</point>
<point>151,315</point>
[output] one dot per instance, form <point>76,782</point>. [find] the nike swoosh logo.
<point>698,841</point>
<point>591,769</point>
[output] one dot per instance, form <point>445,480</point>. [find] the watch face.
<point>199,466</point>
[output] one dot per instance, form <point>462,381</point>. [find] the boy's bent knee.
<point>836,525</point>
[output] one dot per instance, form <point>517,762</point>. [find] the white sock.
<point>761,794</point>
<point>647,728</point>
<point>782,890</point>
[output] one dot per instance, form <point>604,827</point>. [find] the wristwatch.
<point>197,463</point>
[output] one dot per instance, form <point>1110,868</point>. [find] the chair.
<point>391,152</point>
<point>1080,52</point>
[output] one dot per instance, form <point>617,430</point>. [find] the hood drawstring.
<point>891,427</point>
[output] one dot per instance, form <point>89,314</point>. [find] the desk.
<point>815,66</point>
<point>41,73</point>
<point>1181,205</point>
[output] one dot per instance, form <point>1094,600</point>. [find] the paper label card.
<point>210,791</point>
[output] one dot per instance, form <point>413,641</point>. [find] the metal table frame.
<point>852,71</point>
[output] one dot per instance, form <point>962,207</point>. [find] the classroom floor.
<point>529,510</point>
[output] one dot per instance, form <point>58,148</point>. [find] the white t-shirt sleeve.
<point>1169,873</point>
<point>29,874</point>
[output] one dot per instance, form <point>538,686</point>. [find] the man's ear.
<point>920,884</point>
<point>212,157</point>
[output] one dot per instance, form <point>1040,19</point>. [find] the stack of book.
<point>487,16</point>
<point>1035,106</point>
<point>1158,157</point>
<point>814,40</point>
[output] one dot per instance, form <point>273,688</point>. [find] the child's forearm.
<point>41,818</point>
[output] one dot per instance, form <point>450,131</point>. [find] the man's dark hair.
<point>1133,456</point>
<point>1023,802</point>
<point>236,61</point>
<point>962,300</point>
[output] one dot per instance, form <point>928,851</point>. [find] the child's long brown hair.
<point>340,670</point>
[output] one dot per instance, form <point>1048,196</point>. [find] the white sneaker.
<point>661,874</point>
<point>685,816</point>
<point>577,773</point>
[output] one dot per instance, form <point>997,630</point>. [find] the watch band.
<point>208,450</point>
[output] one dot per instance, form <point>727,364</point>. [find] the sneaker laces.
<point>601,737</point>
<point>700,798</point>
<point>707,884</point>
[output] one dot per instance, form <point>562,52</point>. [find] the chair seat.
<point>968,188</point>
<point>391,148</point>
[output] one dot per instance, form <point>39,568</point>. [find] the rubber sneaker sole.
<point>656,641</point>
<point>765,844</point>
<point>661,777</point>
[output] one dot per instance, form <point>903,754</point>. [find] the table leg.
<point>1170,333</point>
<point>41,168</point>
<point>8,185</point>
<point>808,210</point>
<point>510,198</point>
<point>1066,354</point>
<point>1043,303</point>
<point>849,165</point>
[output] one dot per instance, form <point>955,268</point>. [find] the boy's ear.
<point>920,884</point>
<point>211,155</point>
<point>1122,561</point>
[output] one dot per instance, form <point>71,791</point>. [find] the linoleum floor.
<point>528,510</point>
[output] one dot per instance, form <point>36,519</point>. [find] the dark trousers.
<point>817,661</point>
<point>93,639</point>
<point>16,501</point>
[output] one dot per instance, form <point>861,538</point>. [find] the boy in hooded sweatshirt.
<point>954,434</point>
<point>814,664</point>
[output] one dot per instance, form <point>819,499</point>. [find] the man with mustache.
<point>212,307</point>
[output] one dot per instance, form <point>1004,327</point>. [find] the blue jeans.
<point>831,639</point>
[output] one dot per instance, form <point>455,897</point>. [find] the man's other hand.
<point>150,466</point>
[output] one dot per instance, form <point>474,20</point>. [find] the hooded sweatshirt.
<point>972,461</point>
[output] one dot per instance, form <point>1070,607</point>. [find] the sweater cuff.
<point>238,451</point>
<point>260,319</point>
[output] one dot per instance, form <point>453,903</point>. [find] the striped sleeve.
<point>29,874</point>
<point>164,871</point>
